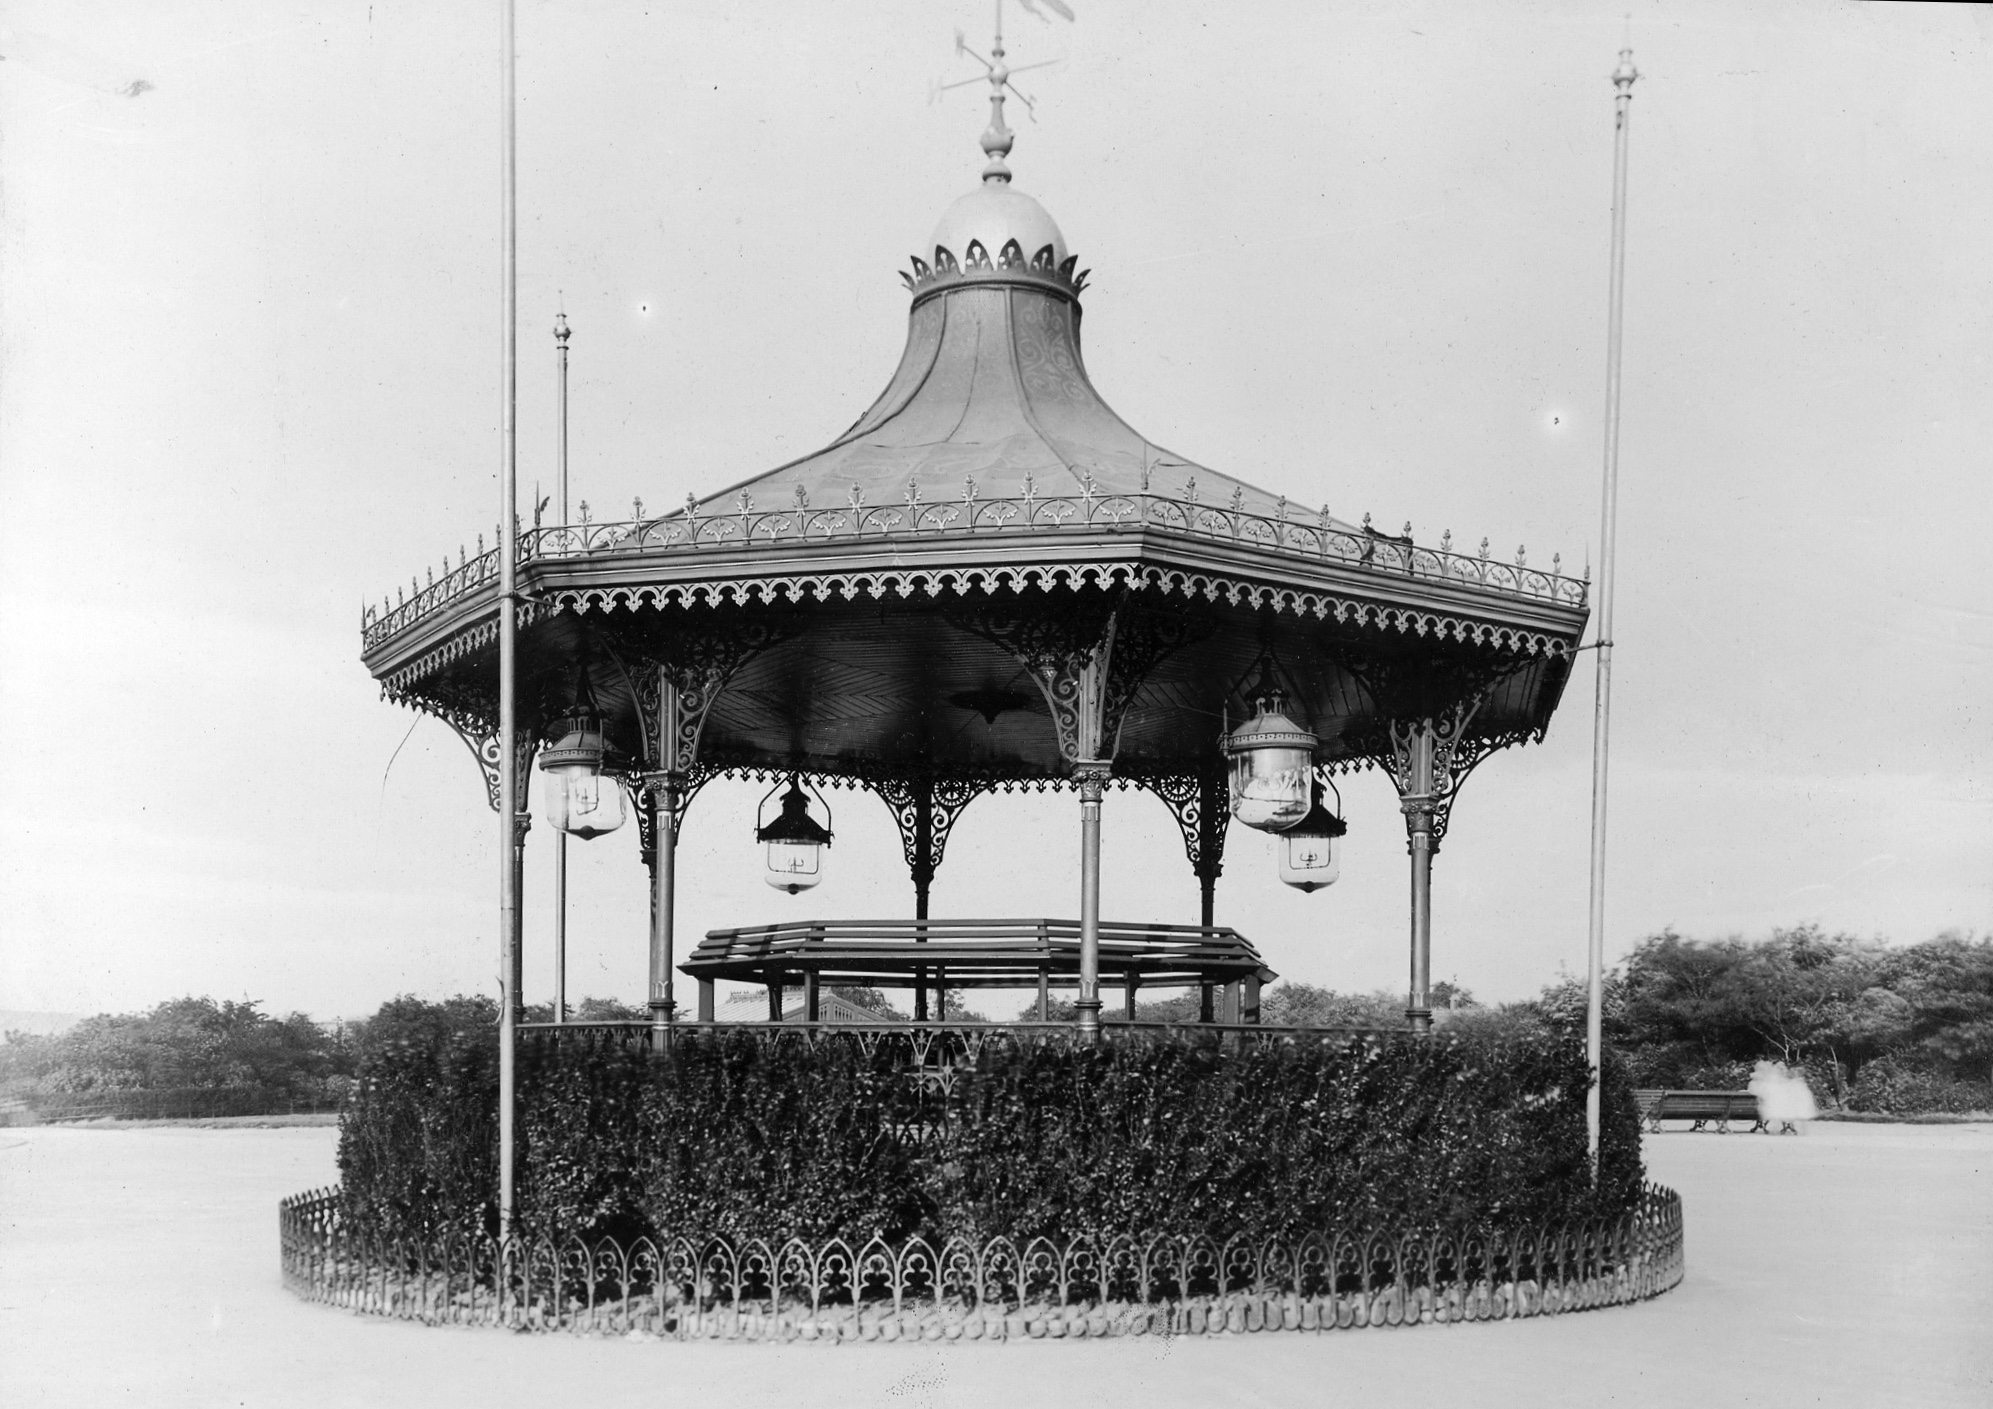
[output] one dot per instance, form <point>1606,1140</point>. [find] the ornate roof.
<point>991,396</point>
<point>987,578</point>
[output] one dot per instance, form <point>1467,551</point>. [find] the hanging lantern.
<point>578,802</point>
<point>1273,763</point>
<point>796,840</point>
<point>1311,849</point>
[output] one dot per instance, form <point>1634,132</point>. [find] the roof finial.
<point>997,137</point>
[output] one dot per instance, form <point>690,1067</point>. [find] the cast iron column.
<point>1092,775</point>
<point>923,877</point>
<point>663,789</point>
<point>1418,804</point>
<point>1213,812</point>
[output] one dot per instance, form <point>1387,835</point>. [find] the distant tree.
<point>1947,984</point>
<point>1293,1004</point>
<point>587,1010</point>
<point>185,1045</point>
<point>605,1010</point>
<point>954,1008</point>
<point>1451,996</point>
<point>871,999</point>
<point>1286,1004</point>
<point>409,1019</point>
<point>1179,1008</point>
<point>1699,1012</point>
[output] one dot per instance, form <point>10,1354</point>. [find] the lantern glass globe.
<point>1309,862</point>
<point>794,866</point>
<point>1273,768</point>
<point>578,801</point>
<point>1270,788</point>
<point>582,803</point>
<point>1311,849</point>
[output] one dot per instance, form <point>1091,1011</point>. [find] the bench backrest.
<point>1706,1105</point>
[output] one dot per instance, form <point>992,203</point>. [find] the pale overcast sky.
<point>1355,253</point>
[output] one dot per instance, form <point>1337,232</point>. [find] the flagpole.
<point>508,625</point>
<point>1622,82</point>
<point>560,838</point>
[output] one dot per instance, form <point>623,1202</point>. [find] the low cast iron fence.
<point>951,1041</point>
<point>176,1103</point>
<point>717,1288</point>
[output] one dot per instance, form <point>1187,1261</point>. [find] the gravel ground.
<point>1847,1266</point>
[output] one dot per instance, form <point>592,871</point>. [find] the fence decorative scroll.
<point>1309,537</point>
<point>680,1288</point>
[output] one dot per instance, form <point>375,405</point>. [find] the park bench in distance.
<point>1702,1107</point>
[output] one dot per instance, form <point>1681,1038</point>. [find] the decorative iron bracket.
<point>1202,807</point>
<point>696,664</point>
<point>484,748</point>
<point>943,800</point>
<point>1428,775</point>
<point>1088,654</point>
<point>1422,738</point>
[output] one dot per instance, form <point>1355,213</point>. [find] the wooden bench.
<point>1702,1107</point>
<point>965,953</point>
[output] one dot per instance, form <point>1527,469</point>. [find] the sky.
<point>1356,253</point>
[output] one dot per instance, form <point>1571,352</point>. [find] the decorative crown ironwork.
<point>1010,265</point>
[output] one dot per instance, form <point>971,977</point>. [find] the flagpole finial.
<point>1623,76</point>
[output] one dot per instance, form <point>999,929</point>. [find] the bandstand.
<point>989,582</point>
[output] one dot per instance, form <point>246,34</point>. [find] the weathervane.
<point>997,137</point>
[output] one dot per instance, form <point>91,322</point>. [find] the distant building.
<point>752,1007</point>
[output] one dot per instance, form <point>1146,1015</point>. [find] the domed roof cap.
<point>994,214</point>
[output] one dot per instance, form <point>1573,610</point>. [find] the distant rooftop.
<point>752,1007</point>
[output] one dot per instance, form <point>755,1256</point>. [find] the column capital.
<point>661,785</point>
<point>1092,775</point>
<point>522,823</point>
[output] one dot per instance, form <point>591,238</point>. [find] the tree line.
<point>199,1057</point>
<point>1874,1027</point>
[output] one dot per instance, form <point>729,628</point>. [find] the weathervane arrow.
<point>997,140</point>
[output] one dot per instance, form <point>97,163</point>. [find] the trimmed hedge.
<point>738,1135</point>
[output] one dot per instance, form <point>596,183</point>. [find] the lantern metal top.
<point>1319,822</point>
<point>795,824</point>
<point>1270,728</point>
<point>576,741</point>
